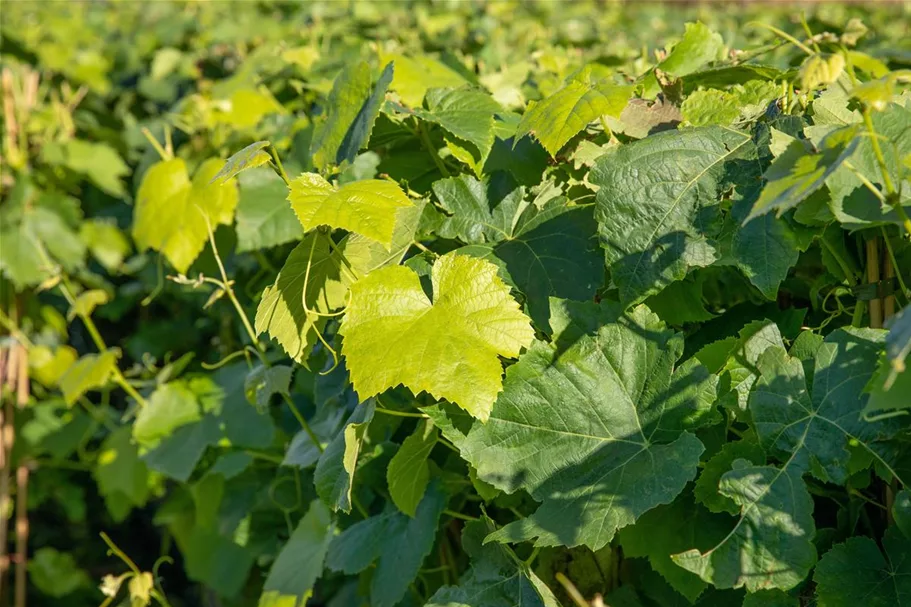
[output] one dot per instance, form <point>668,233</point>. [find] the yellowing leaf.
<point>366,207</point>
<point>170,209</point>
<point>393,334</point>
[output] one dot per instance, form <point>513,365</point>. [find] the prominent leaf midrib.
<point>686,189</point>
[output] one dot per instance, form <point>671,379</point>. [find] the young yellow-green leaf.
<point>251,156</point>
<point>408,472</point>
<point>699,46</point>
<point>366,207</point>
<point>88,373</point>
<point>86,302</point>
<point>710,107</point>
<point>557,119</point>
<point>450,347</point>
<point>171,211</point>
<point>300,563</point>
<point>106,242</point>
<point>283,309</point>
<point>170,406</point>
<point>857,573</point>
<point>47,365</point>
<point>352,108</point>
<point>415,75</point>
<point>820,70</point>
<point>140,588</point>
<point>334,474</point>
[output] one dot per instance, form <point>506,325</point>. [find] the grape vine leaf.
<point>171,211</point>
<point>657,204</point>
<point>699,46</point>
<point>170,406</point>
<point>546,252</point>
<point>334,474</point>
<point>465,113</point>
<point>415,75</point>
<point>558,118</point>
<point>123,480</point>
<point>770,545</point>
<point>283,310</point>
<point>901,511</point>
<point>450,347</point>
<point>395,541</point>
<point>250,157</point>
<point>797,172</point>
<point>857,573</point>
<point>852,201</point>
<point>898,340</point>
<point>90,372</point>
<point>262,382</point>
<point>597,431</point>
<point>494,579</point>
<point>408,473</point>
<point>367,207</point>
<point>667,529</point>
<point>706,488</point>
<point>300,563</point>
<point>481,210</point>
<point>264,217</point>
<point>352,108</point>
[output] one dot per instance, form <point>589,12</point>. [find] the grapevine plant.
<point>496,311</point>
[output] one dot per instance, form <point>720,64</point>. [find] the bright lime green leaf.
<point>56,573</point>
<point>450,347</point>
<point>170,406</point>
<point>797,173</point>
<point>494,579</point>
<point>106,242</point>
<point>300,563</point>
<point>657,204</point>
<point>465,113</point>
<point>408,472</point>
<point>334,474</point>
<point>262,382</point>
<point>86,302</point>
<point>352,108</point>
<point>699,46</point>
<point>857,573</point>
<point>98,161</point>
<point>303,57</point>
<point>252,156</point>
<point>264,217</point>
<point>415,75</point>
<point>668,529</point>
<point>246,107</point>
<point>557,119</point>
<point>21,257</point>
<point>48,366</point>
<point>710,107</point>
<point>90,372</point>
<point>397,543</point>
<point>595,430</point>
<point>171,211</point>
<point>283,309</point>
<point>366,207</point>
